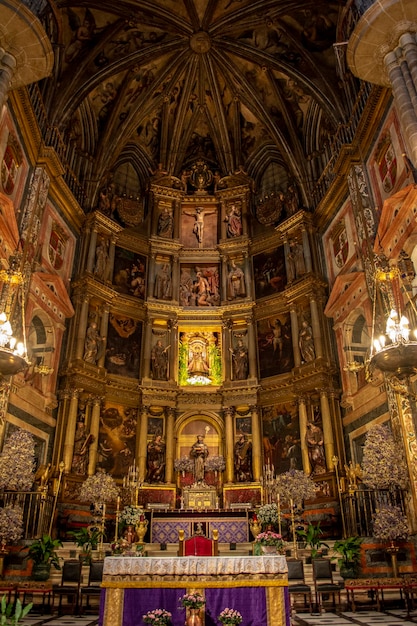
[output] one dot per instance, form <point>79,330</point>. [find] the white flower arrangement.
<point>99,488</point>
<point>131,515</point>
<point>268,514</point>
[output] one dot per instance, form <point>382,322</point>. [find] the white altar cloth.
<point>194,566</point>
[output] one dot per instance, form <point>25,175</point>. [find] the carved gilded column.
<point>94,430</point>
<point>306,250</point>
<point>256,444</point>
<point>229,453</point>
<point>71,425</point>
<point>92,251</point>
<point>224,270</point>
<point>170,445</point>
<point>253,370</point>
<point>173,351</point>
<point>248,277</point>
<point>151,276</point>
<point>104,325</point>
<point>141,443</point>
<point>175,278</point>
<point>327,429</point>
<point>294,336</point>
<point>302,417</point>
<point>110,262</point>
<point>82,329</point>
<point>63,408</point>
<point>315,324</point>
<point>147,349</point>
<point>227,345</point>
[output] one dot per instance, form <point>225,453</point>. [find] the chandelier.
<point>13,351</point>
<point>394,351</point>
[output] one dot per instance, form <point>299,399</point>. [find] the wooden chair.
<point>323,581</point>
<point>93,587</point>
<point>70,584</point>
<point>198,545</point>
<point>296,582</point>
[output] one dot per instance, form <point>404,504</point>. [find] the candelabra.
<point>133,483</point>
<point>271,495</point>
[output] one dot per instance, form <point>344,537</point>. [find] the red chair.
<point>198,545</point>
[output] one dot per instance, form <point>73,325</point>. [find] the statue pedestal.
<point>200,497</point>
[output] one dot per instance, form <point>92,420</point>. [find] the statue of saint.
<point>306,342</point>
<point>159,361</point>
<point>199,452</point>
<point>155,460</point>
<point>243,459</point>
<point>234,222</point>
<point>240,361</point>
<point>92,344</point>
<point>236,282</point>
<point>315,447</point>
<point>82,442</point>
<point>165,223</point>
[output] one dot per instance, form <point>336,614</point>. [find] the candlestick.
<point>294,536</point>
<point>279,513</point>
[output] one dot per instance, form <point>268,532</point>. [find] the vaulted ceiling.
<point>241,83</point>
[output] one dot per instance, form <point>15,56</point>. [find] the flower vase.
<point>269,549</point>
<point>193,618</point>
<point>255,527</point>
<point>141,528</point>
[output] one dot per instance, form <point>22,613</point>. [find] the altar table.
<point>257,586</point>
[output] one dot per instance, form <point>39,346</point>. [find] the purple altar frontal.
<point>255,586</point>
<point>261,603</point>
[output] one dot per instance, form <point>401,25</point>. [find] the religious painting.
<point>155,426</point>
<point>129,275</point>
<point>200,358</point>
<point>199,285</point>
<point>281,438</point>
<point>275,345</point>
<point>117,439</point>
<point>124,336</point>
<point>243,425</point>
<point>269,272</point>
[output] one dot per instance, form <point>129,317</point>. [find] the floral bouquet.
<point>11,525</point>
<point>230,616</point>
<point>268,514</point>
<point>184,464</point>
<point>157,617</point>
<point>192,600</point>
<point>295,485</point>
<point>131,515</point>
<point>270,538</point>
<point>390,524</point>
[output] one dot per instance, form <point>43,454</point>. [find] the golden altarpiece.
<point>195,335</point>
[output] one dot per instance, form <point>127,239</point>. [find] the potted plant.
<point>230,617</point>
<point>87,539</point>
<point>350,551</point>
<point>157,617</point>
<point>12,613</point>
<point>43,553</point>
<point>268,542</point>
<point>312,537</point>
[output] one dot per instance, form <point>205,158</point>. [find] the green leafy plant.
<point>12,613</point>
<point>350,551</point>
<point>87,539</point>
<point>43,551</point>
<point>312,537</point>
